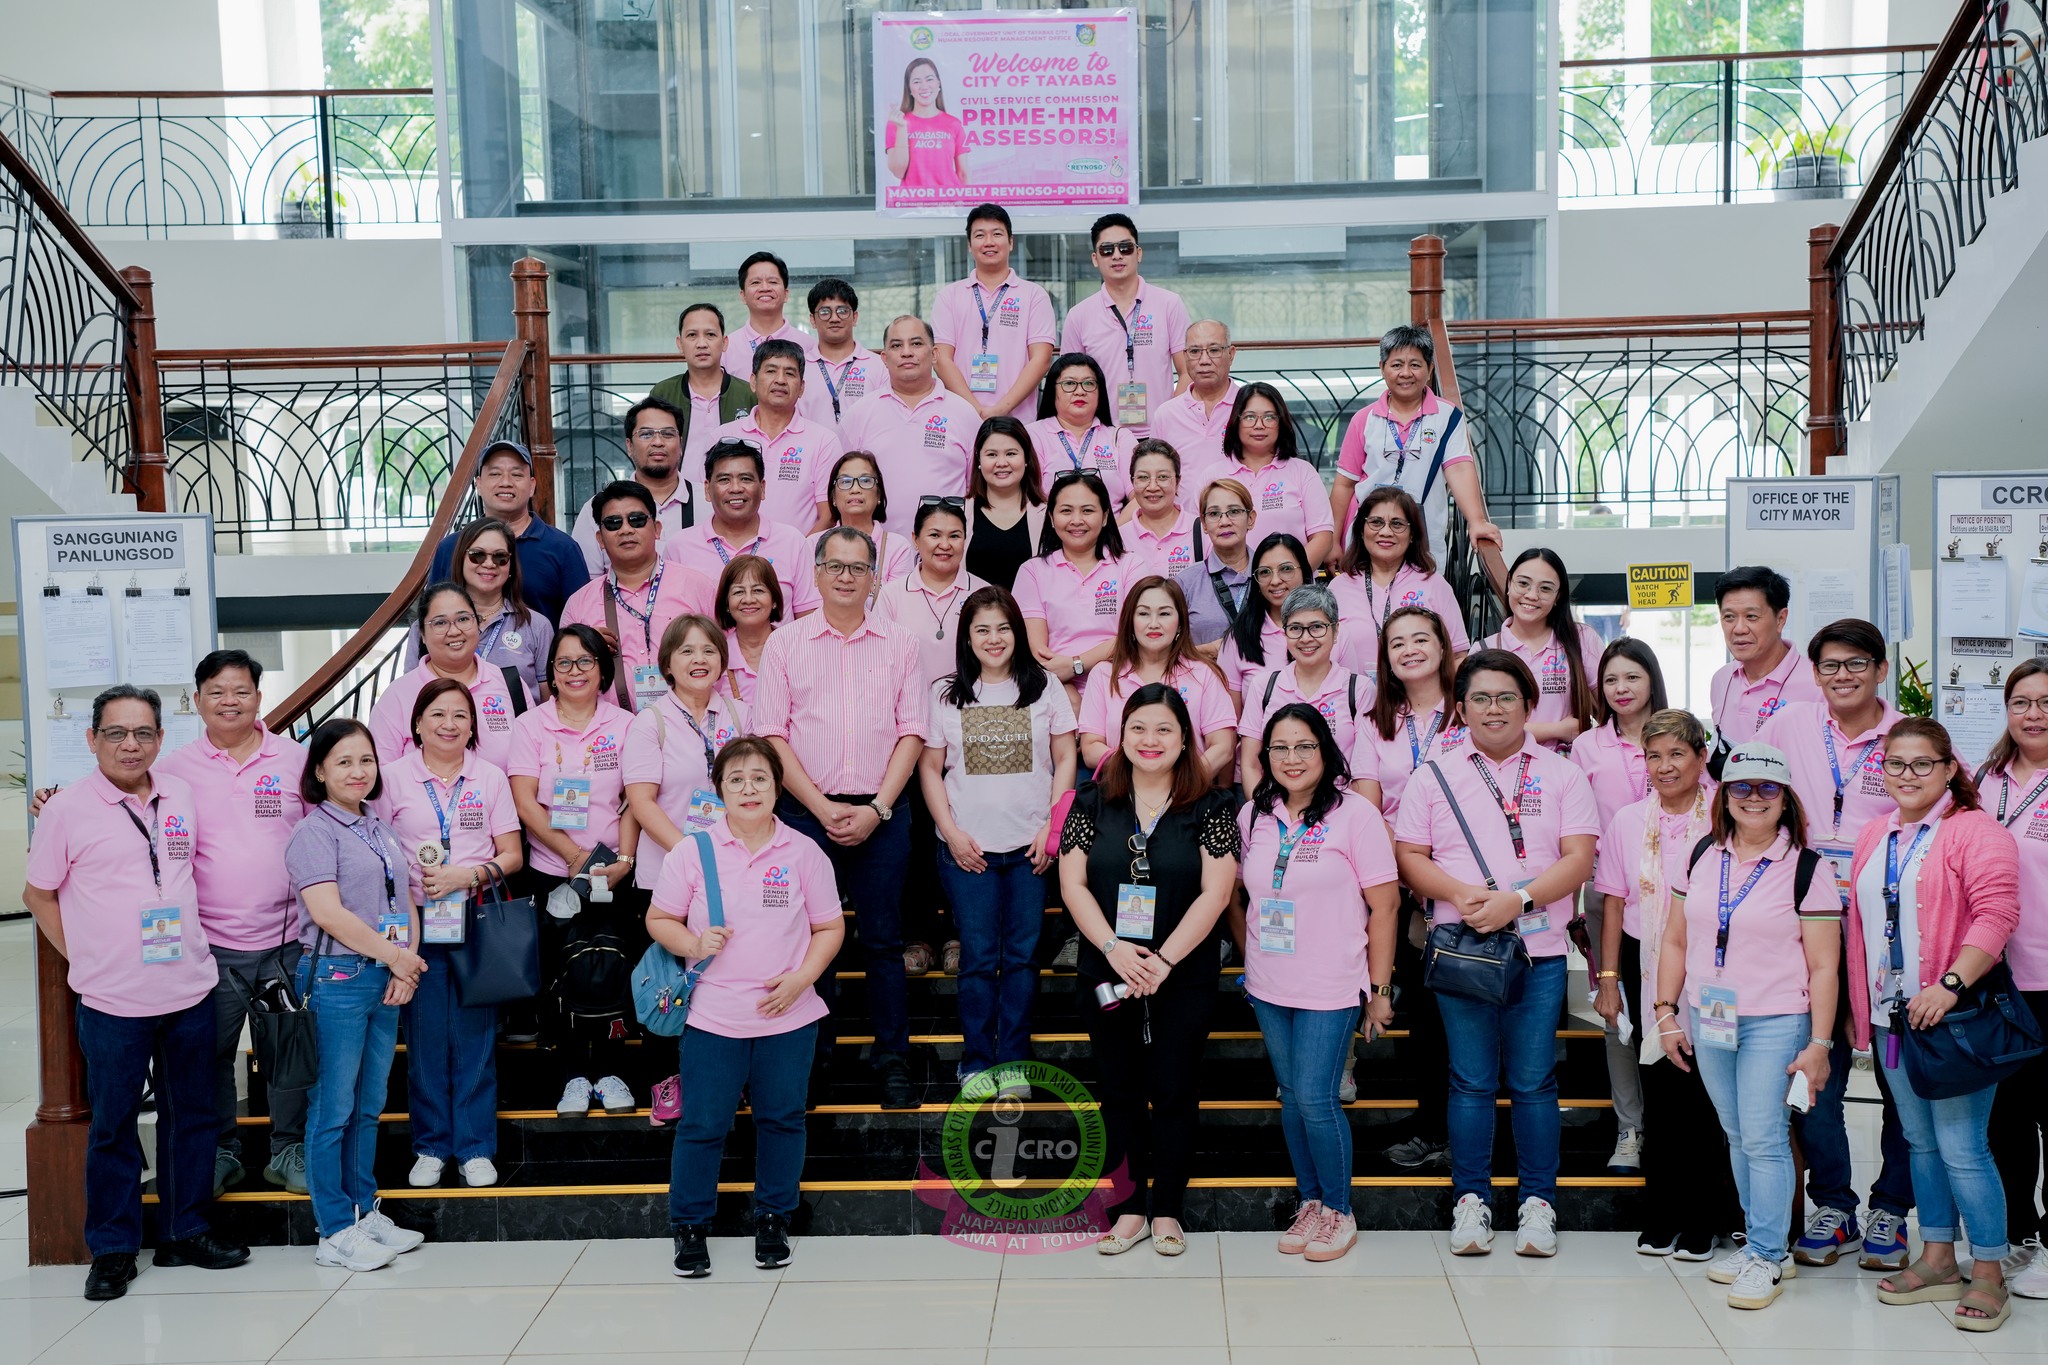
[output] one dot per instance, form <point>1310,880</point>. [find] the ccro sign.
<point>2001,493</point>
<point>1801,505</point>
<point>139,542</point>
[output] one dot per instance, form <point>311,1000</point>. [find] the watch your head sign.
<point>1035,111</point>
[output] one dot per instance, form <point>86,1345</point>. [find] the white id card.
<point>1136,909</point>
<point>981,372</point>
<point>1276,926</point>
<point>569,804</point>
<point>163,934</point>
<point>396,927</point>
<point>648,686</point>
<point>441,920</point>
<point>1131,408</point>
<point>1718,1018</point>
<point>705,808</point>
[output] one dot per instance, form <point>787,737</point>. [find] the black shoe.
<point>897,1090</point>
<point>109,1276</point>
<point>693,1258</point>
<point>1656,1242</point>
<point>771,1241</point>
<point>206,1251</point>
<point>1694,1246</point>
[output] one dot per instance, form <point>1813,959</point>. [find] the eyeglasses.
<point>846,483</point>
<point>1532,588</point>
<point>1141,865</point>
<point>1227,513</point>
<point>1214,352</point>
<point>497,559</point>
<point>636,520</point>
<point>941,500</point>
<point>1155,478</point>
<point>1260,419</point>
<point>1306,749</point>
<point>118,735</point>
<point>461,620</point>
<point>1492,701</point>
<point>1307,630</point>
<point>831,312</point>
<point>1919,767</point>
<point>748,782</point>
<point>1108,249</point>
<point>2020,706</point>
<point>656,434</point>
<point>840,568</point>
<point>1386,523</point>
<point>1766,791</point>
<point>1855,667</point>
<point>1077,386</point>
<point>581,663</point>
<point>1266,573</point>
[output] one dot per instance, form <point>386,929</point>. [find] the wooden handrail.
<point>1777,55</point>
<point>52,208</point>
<point>235,94</point>
<point>335,357</point>
<point>504,387</point>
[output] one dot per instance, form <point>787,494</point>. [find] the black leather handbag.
<point>1990,1034</point>
<point>498,960</point>
<point>1459,960</point>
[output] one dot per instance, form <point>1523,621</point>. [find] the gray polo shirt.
<point>1206,619</point>
<point>327,848</point>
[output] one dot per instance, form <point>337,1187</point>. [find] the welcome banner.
<point>1037,112</point>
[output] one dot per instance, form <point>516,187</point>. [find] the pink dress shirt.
<point>840,701</point>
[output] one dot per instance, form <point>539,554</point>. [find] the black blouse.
<point>1103,830</point>
<point>994,555</point>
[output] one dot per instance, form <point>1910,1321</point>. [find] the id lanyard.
<point>1372,605</point>
<point>710,749</point>
<point>1895,954</point>
<point>148,833</point>
<point>1130,341</point>
<point>2026,802</point>
<point>832,386</point>
<point>441,816</point>
<point>1286,854</point>
<point>1512,810</point>
<point>1087,443</point>
<point>375,846</point>
<point>1726,913</point>
<point>488,641</point>
<point>1400,445</point>
<point>1417,747</point>
<point>1827,732</point>
<point>645,618</point>
<point>718,544</point>
<point>1000,291</point>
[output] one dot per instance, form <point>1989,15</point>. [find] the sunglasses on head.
<point>936,500</point>
<point>636,520</point>
<point>1768,791</point>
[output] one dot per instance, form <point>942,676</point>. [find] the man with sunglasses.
<point>734,486</point>
<point>920,433</point>
<point>551,563</point>
<point>993,330</point>
<point>844,372</point>
<point>1192,421</point>
<point>632,601</point>
<point>797,453</point>
<point>1835,749</point>
<point>1136,331</point>
<point>654,443</point>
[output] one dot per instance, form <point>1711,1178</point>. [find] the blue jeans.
<point>358,1035</point>
<point>997,914</point>
<point>1481,1038</point>
<point>1748,1087</point>
<point>1307,1049</point>
<point>1824,1139</point>
<point>871,876</point>
<point>451,1056</point>
<point>1952,1167</point>
<point>775,1071</point>
<point>120,1054</point>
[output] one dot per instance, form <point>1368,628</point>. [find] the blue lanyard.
<point>1400,446</point>
<point>1086,442</point>
<point>441,816</point>
<point>1727,911</point>
<point>375,846</point>
<point>825,368</point>
<point>1002,290</point>
<point>1415,746</point>
<point>489,640</point>
<point>718,544</point>
<point>1287,843</point>
<point>1897,951</point>
<point>645,618</point>
<point>1827,732</point>
<point>1130,341</point>
<point>710,750</point>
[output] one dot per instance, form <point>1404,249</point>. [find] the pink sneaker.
<point>1335,1234</point>
<point>1296,1238</point>
<point>667,1105</point>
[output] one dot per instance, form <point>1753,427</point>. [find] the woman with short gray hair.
<point>1308,619</point>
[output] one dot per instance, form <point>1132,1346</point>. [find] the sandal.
<point>917,959</point>
<point>1169,1243</point>
<point>1109,1244</point>
<point>1984,1298</point>
<point>949,957</point>
<point>1926,1288</point>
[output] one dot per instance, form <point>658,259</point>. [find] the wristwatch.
<point>1109,944</point>
<point>1527,899</point>
<point>1825,1044</point>
<point>1077,666</point>
<point>880,810</point>
<point>1952,983</point>
<point>1386,990</point>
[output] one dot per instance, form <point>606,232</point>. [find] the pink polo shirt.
<point>1556,803</point>
<point>545,748</point>
<point>739,674</point>
<point>88,852</point>
<point>1346,853</point>
<point>1199,686</point>
<point>770,900</point>
<point>1142,346</point>
<point>741,344</point>
<point>1196,436</point>
<point>1552,670</point>
<point>1173,551</point>
<point>896,551</point>
<point>1766,962</point>
<point>476,815</point>
<point>851,380</point>
<point>238,860</point>
<point>391,717</point>
<point>930,618</point>
<point>665,746</point>
<point>1106,450</point>
<point>1019,315</point>
<point>1363,608</point>
<point>1079,610</point>
<point>704,550</point>
<point>1802,732</point>
<point>795,465</point>
<point>1238,671</point>
<point>1334,699</point>
<point>681,591</point>
<point>1390,762</point>
<point>841,701</point>
<point>1620,869</point>
<point>1615,767</point>
<point>1741,707</point>
<point>1376,451</point>
<point>2026,952</point>
<point>925,447</point>
<point>1287,494</point>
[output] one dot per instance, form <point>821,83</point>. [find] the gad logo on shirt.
<point>935,431</point>
<point>790,468</point>
<point>1106,593</point>
<point>496,712</point>
<point>1532,795</point>
<point>604,753</point>
<point>266,797</point>
<point>177,838</point>
<point>775,888</point>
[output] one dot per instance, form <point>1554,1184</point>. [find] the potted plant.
<point>302,209</point>
<point>1804,163</point>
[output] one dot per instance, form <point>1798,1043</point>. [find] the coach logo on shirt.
<point>177,838</point>
<point>266,797</point>
<point>775,888</point>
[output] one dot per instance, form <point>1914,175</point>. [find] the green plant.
<point>1830,143</point>
<point>307,191</point>
<point>1914,698</point>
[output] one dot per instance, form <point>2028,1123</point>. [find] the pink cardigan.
<point>1968,896</point>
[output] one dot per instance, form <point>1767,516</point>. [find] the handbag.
<point>662,985</point>
<point>283,1027</point>
<point>1990,1034</point>
<point>498,960</point>
<point>1461,961</point>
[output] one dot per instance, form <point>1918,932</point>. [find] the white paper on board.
<point>78,641</point>
<point>2033,622</point>
<point>1974,716</point>
<point>1976,597</point>
<point>157,630</point>
<point>63,757</point>
<point>1824,595</point>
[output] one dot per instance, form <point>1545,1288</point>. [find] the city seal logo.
<point>920,37</point>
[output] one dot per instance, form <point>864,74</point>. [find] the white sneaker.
<point>1725,1270</point>
<point>2031,1280</point>
<point>1758,1285</point>
<point>1628,1153</point>
<point>426,1172</point>
<point>575,1101</point>
<point>1536,1228</point>
<point>615,1095</point>
<point>389,1235</point>
<point>1347,1088</point>
<point>1471,1227</point>
<point>478,1171</point>
<point>353,1248</point>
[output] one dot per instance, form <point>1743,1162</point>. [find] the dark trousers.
<point>927,899</point>
<point>1417,1012</point>
<point>1688,1187</point>
<point>589,1048</point>
<point>120,1055</point>
<point>1155,1145</point>
<point>239,971</point>
<point>775,1072</point>
<point>871,878</point>
<point>2019,1124</point>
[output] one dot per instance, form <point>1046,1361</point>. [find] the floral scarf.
<point>1653,901</point>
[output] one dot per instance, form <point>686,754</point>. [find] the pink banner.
<point>1037,112</point>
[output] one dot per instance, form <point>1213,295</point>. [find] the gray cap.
<point>1753,762</point>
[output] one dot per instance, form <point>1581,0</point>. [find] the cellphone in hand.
<point>1799,1095</point>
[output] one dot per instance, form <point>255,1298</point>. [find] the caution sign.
<point>1652,586</point>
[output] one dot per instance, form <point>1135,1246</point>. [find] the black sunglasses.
<point>636,520</point>
<point>934,500</point>
<point>1116,248</point>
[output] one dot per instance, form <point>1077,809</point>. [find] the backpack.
<point>1802,876</point>
<point>1273,681</point>
<point>595,982</point>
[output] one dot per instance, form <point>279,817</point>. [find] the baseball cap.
<point>525,455</point>
<point>1754,762</point>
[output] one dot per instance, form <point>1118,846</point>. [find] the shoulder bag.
<point>662,985</point>
<point>1459,960</point>
<point>1989,1035</point>
<point>498,960</point>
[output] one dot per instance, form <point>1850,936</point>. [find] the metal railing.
<point>1730,126</point>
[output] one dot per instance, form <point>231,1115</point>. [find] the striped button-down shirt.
<point>841,701</point>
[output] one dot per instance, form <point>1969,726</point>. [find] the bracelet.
<point>1607,976</point>
<point>1671,1005</point>
<point>476,877</point>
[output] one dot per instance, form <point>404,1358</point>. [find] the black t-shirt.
<point>994,555</point>
<point>1103,829</point>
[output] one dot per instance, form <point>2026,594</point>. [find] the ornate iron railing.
<point>358,689</point>
<point>1730,126</point>
<point>1956,147</point>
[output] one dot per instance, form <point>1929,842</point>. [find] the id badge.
<point>441,921</point>
<point>1718,1018</point>
<point>705,808</point>
<point>1537,917</point>
<point>1842,862</point>
<point>163,934</point>
<point>396,927</point>
<point>1131,407</point>
<point>569,807</point>
<point>1276,926</point>
<point>981,372</point>
<point>648,685</point>
<point>1137,907</point>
